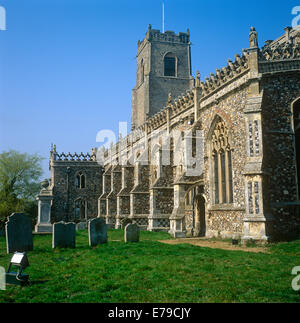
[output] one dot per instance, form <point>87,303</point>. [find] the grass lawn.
<point>150,271</point>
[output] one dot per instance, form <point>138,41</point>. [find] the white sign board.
<point>17,258</point>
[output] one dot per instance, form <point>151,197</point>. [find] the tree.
<point>20,175</point>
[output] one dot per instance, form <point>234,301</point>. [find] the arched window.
<point>170,65</point>
<point>80,181</point>
<point>296,128</point>
<point>222,164</point>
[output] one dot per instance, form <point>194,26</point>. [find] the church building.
<point>218,157</point>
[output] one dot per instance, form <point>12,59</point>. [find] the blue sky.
<point>67,67</point>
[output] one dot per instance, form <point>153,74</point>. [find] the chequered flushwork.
<point>161,223</point>
<point>141,222</point>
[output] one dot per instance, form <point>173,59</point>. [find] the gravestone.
<point>64,235</point>
<point>124,222</point>
<point>81,226</point>
<point>132,233</point>
<point>18,230</point>
<point>97,232</point>
<point>2,278</point>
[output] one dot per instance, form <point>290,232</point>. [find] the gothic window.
<point>170,62</point>
<point>256,132</point>
<point>222,164</point>
<point>250,198</point>
<point>256,194</point>
<point>253,198</point>
<point>251,143</point>
<point>80,181</point>
<point>296,128</point>
<point>254,144</point>
<point>216,179</point>
<point>77,181</point>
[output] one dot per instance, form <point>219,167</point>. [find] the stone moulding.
<point>217,208</point>
<point>279,66</point>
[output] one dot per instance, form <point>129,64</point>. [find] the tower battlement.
<point>153,35</point>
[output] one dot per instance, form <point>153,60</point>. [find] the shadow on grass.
<point>38,282</point>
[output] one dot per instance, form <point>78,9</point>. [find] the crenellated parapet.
<point>282,54</point>
<point>55,156</point>
<point>172,110</point>
<point>290,50</point>
<point>155,35</point>
<point>226,74</point>
<point>182,103</point>
<point>284,48</point>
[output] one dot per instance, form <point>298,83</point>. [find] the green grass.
<point>150,271</point>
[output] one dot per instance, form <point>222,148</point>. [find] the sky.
<point>67,67</point>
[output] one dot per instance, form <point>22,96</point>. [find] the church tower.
<point>163,67</point>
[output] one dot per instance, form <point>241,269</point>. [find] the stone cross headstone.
<point>64,235</point>
<point>97,232</point>
<point>18,230</point>
<point>132,233</point>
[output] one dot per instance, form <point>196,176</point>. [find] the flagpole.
<point>163,16</point>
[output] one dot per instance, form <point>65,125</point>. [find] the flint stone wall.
<point>279,93</point>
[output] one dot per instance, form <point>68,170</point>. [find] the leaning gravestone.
<point>132,233</point>
<point>97,232</point>
<point>18,230</point>
<point>64,235</point>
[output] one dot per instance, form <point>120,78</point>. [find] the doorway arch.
<point>195,210</point>
<point>200,216</point>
